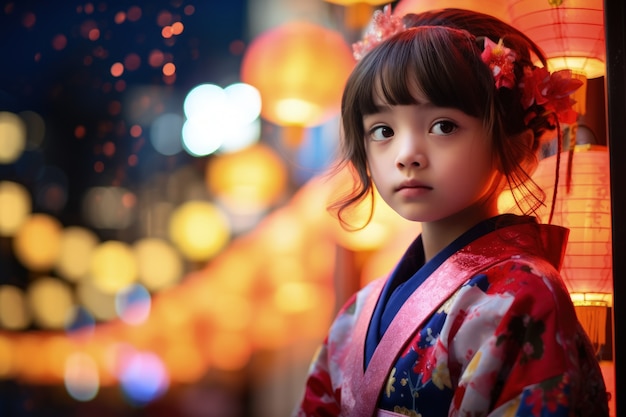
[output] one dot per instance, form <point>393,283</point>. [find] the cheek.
<point>474,173</point>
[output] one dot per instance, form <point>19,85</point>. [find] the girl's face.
<point>431,164</point>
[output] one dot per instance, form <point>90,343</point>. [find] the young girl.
<point>443,112</point>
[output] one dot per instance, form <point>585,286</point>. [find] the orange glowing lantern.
<point>358,12</point>
<point>248,181</point>
<point>570,32</point>
<point>300,70</point>
<point>496,8</point>
<point>586,211</point>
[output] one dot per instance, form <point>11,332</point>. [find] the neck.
<point>439,234</point>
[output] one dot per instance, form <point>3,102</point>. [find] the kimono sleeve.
<point>322,391</point>
<point>537,361</point>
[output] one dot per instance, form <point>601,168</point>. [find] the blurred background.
<point>165,247</point>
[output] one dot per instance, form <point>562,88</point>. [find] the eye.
<point>380,133</point>
<point>444,127</point>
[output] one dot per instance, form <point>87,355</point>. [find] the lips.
<point>412,184</point>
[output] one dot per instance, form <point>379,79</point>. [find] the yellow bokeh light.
<point>15,207</point>
<point>76,248</point>
<point>113,266</point>
<point>295,297</point>
<point>50,301</point>
<point>12,137</point>
<point>249,180</point>
<point>37,242</point>
<point>159,264</point>
<point>199,230</point>
<point>13,312</point>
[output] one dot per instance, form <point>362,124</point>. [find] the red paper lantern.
<point>586,211</point>
<point>570,32</point>
<point>300,70</point>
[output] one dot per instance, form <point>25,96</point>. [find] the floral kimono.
<point>485,328</point>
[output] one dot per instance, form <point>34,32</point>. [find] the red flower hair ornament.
<point>538,86</point>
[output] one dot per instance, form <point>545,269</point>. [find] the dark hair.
<point>440,54</point>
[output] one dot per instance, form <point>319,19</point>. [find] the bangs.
<point>436,64</point>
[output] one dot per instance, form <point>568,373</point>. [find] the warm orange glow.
<point>177,28</point>
<point>113,266</point>
<point>586,211</point>
<point>300,70</point>
<point>16,206</point>
<point>117,69</point>
<point>497,8</point>
<point>37,242</point>
<point>380,229</point>
<point>7,357</point>
<point>184,362</point>
<point>199,230</point>
<point>249,180</point>
<point>571,34</point>
<point>50,301</point>
<point>12,137</point>
<point>169,69</point>
<point>75,249</point>
<point>608,372</point>
<point>229,351</point>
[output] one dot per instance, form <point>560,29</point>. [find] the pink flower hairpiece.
<point>550,90</point>
<point>383,26</point>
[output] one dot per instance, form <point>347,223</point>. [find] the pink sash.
<point>361,390</point>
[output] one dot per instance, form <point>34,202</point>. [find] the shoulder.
<point>533,282</point>
<point>523,273</point>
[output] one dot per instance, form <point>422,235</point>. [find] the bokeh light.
<point>133,304</point>
<point>113,266</point>
<point>82,380</point>
<point>199,230</point>
<point>75,251</point>
<point>108,208</point>
<point>51,302</point>
<point>15,207</point>
<point>159,264</point>
<point>143,377</point>
<point>166,133</point>
<point>219,117</point>
<point>12,137</point>
<point>14,313</point>
<point>248,181</point>
<point>37,242</point>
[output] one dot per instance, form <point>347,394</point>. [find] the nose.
<point>410,153</point>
